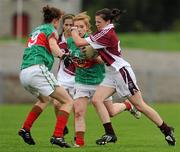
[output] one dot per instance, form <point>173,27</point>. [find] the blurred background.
<point>149,32</point>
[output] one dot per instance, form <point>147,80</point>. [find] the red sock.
<point>128,105</point>
<point>61,123</point>
<point>32,116</point>
<point>80,138</point>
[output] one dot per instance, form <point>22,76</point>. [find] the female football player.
<point>36,77</point>
<point>89,74</point>
<point>119,76</point>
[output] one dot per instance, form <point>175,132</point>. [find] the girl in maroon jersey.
<point>119,76</point>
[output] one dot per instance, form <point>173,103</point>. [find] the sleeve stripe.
<point>99,35</point>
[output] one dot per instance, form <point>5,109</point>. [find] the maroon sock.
<point>32,116</point>
<point>61,123</point>
<point>80,138</point>
<point>108,128</point>
<point>165,129</point>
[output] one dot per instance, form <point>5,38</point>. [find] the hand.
<point>67,31</point>
<point>67,60</point>
<point>89,52</point>
<point>73,28</point>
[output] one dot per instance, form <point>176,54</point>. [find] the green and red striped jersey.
<point>37,50</point>
<point>92,75</point>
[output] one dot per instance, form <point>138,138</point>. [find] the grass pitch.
<point>133,135</point>
<point>162,41</point>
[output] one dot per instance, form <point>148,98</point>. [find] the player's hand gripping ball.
<point>89,52</point>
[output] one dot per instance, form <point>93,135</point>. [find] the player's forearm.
<point>56,51</point>
<point>77,39</point>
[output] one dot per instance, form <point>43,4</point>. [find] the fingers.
<point>83,49</point>
<point>67,53</point>
<point>68,30</point>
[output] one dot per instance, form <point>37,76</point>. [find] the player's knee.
<point>95,101</point>
<point>79,113</point>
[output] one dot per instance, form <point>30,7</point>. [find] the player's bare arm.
<point>77,39</point>
<point>56,51</point>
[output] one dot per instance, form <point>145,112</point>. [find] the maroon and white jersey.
<point>65,75</point>
<point>107,44</point>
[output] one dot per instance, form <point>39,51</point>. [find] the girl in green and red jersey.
<point>39,106</point>
<point>36,77</point>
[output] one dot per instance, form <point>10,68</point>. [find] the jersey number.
<point>33,38</point>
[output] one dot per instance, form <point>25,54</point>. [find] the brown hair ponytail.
<point>51,13</point>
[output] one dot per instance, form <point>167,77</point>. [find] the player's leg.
<point>115,108</point>
<point>127,86</point>
<point>102,93</point>
<point>80,108</point>
<point>35,112</point>
<point>39,81</point>
<point>57,106</point>
<point>139,103</point>
<point>61,95</point>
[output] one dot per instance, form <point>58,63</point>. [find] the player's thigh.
<point>102,93</point>
<point>137,100</point>
<point>61,95</point>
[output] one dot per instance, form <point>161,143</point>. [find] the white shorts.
<point>124,81</point>
<point>69,89</point>
<point>82,90</point>
<point>38,80</point>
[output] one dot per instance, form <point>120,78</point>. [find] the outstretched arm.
<point>77,39</point>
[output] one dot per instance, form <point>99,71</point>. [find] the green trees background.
<point>142,15</point>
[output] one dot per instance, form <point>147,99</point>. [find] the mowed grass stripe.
<point>133,135</point>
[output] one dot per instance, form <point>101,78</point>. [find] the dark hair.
<point>110,14</point>
<point>67,16</point>
<point>51,13</point>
